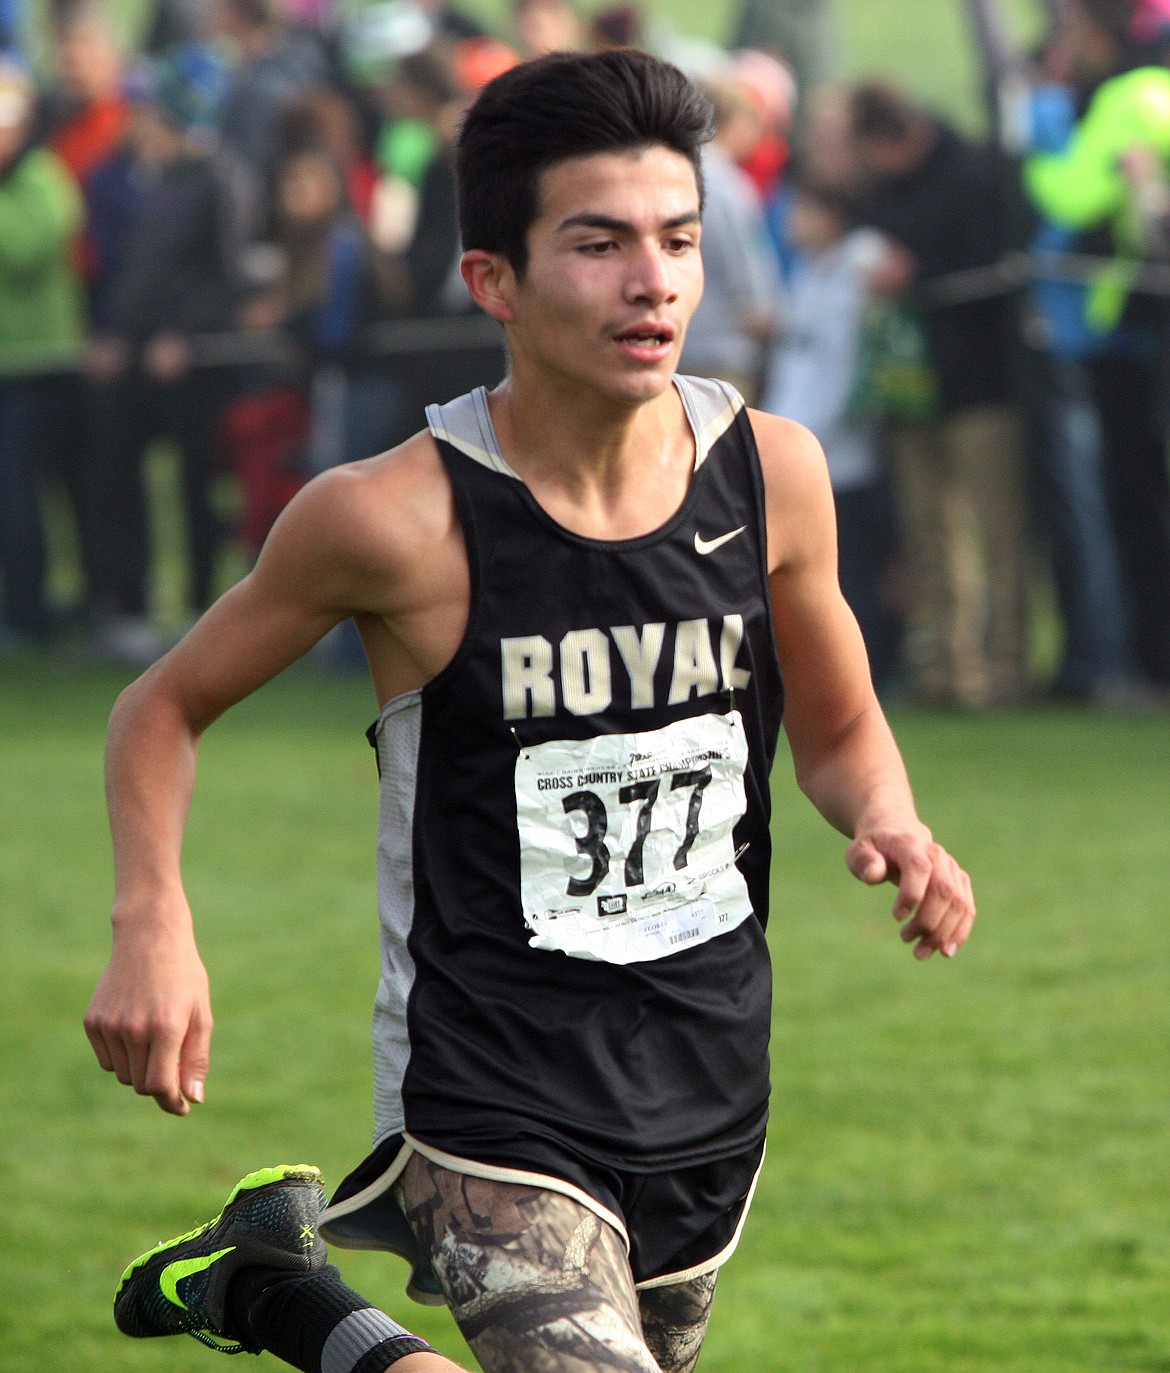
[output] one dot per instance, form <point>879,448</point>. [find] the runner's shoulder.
<point>797,492</point>
<point>784,442</point>
<point>384,512</point>
<point>791,458</point>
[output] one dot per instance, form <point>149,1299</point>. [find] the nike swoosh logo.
<point>174,1273</point>
<point>705,546</point>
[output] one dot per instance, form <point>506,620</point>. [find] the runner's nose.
<point>650,278</point>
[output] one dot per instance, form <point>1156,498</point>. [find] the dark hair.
<point>559,107</point>
<point>883,112</point>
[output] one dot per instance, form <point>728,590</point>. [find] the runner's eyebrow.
<point>588,219</point>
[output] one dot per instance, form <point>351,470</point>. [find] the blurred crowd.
<point>222,238</point>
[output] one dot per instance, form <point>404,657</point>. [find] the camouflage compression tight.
<point>539,1284</point>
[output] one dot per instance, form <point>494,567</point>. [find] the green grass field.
<point>968,1167</point>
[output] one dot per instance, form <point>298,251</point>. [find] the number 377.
<point>592,843</point>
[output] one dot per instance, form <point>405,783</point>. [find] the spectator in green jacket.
<point>41,328</point>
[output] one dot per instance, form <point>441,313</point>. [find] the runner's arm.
<point>845,756</point>
<point>150,1018</point>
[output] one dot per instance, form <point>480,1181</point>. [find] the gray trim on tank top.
<point>397,737</point>
<point>466,422</point>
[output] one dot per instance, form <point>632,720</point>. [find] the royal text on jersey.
<point>581,673</point>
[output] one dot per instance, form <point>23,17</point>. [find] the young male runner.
<point>582,598</point>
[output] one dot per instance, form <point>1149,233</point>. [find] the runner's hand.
<point>150,1018</point>
<point>935,904</point>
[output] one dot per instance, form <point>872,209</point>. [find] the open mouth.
<point>647,338</point>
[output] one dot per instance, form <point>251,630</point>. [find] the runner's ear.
<point>490,280</point>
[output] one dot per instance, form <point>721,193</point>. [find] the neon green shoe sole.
<point>180,1286</point>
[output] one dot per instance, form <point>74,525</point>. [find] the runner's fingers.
<point>944,917</point>
<point>967,916</point>
<point>914,870</point>
<point>160,1071</point>
<point>97,1042</point>
<point>195,1059</point>
<point>950,890</point>
<point>123,1062</point>
<point>112,1054</point>
<point>138,1053</point>
<point>957,929</point>
<point>142,1054</point>
<point>923,893</point>
<point>945,936</point>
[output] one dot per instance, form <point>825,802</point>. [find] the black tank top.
<point>574,848</point>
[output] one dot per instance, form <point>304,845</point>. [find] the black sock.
<point>314,1322</point>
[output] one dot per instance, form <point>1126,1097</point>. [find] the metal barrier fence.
<point>1014,271</point>
<point>400,338</point>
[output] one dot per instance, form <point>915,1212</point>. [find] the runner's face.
<point>613,273</point>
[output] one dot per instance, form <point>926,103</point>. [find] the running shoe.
<point>180,1286</point>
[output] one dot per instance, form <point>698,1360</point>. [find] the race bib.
<point>626,845</point>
